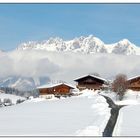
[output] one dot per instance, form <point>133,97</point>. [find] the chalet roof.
<point>51,85</point>
<point>93,76</point>
<point>138,76</point>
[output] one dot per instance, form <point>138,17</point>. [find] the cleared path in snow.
<point>113,118</point>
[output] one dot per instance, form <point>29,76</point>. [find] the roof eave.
<point>104,80</point>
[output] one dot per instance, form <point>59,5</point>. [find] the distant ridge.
<point>88,44</point>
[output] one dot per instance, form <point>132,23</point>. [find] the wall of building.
<point>134,84</point>
<point>89,85</point>
<point>62,89</point>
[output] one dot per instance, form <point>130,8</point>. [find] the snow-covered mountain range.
<point>27,62</point>
<point>89,44</point>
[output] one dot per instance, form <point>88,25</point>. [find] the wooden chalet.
<point>90,82</point>
<point>134,83</point>
<point>56,89</point>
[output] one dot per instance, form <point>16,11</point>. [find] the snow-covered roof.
<point>138,76</point>
<point>50,85</point>
<point>97,77</point>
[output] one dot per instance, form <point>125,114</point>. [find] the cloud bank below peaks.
<point>66,66</point>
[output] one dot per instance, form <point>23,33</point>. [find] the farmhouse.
<point>56,89</point>
<point>134,83</point>
<point>90,82</point>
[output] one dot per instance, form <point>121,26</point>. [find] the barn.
<point>134,83</point>
<point>90,82</point>
<point>56,89</point>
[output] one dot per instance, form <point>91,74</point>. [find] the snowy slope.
<point>128,123</point>
<point>84,115</point>
<point>130,97</point>
<point>13,98</point>
<point>89,44</point>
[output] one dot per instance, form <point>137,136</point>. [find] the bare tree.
<point>120,85</point>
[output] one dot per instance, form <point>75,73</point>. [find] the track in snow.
<point>113,118</point>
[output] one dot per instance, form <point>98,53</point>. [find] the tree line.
<point>14,91</point>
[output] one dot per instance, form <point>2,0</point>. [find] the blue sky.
<point>110,22</point>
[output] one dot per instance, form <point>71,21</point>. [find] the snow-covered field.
<point>84,115</point>
<point>128,123</point>
<point>130,98</point>
<point>13,98</point>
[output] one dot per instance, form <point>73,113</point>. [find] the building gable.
<point>90,79</point>
<point>60,88</point>
<point>90,82</point>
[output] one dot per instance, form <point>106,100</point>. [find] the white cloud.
<point>66,66</point>
<point>28,64</point>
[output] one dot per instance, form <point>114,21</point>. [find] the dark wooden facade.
<point>61,89</point>
<point>90,82</point>
<point>134,83</point>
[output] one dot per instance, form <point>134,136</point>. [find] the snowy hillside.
<point>128,123</point>
<point>85,115</point>
<point>13,98</point>
<point>89,44</point>
<point>23,83</point>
